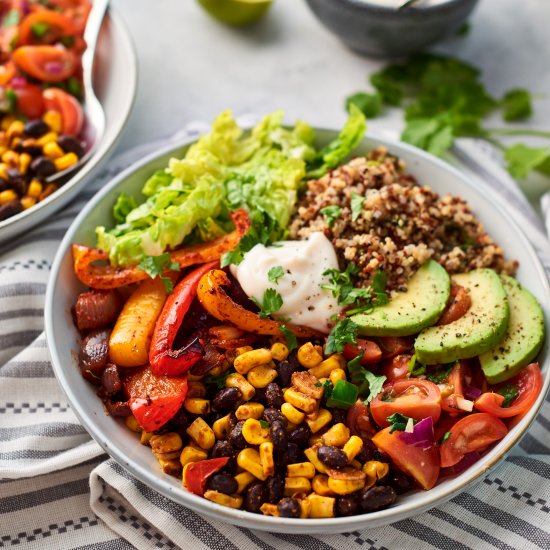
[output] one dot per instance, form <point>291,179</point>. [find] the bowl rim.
<point>103,151</point>
<point>154,479</point>
<point>420,9</point>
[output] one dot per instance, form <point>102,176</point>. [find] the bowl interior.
<point>121,444</point>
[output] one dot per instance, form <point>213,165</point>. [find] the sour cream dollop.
<point>303,263</point>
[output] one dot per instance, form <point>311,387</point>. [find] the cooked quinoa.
<point>401,224</point>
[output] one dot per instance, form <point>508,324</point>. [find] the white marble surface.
<point>191,67</point>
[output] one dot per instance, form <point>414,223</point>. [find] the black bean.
<point>223,483</point>
<point>110,380</point>
<point>278,435</point>
<point>17,182</point>
<point>42,167</point>
<point>288,508</point>
<point>273,415</point>
<point>94,354</point>
<point>378,497</point>
<point>181,420</point>
<point>274,395</point>
<point>348,505</point>
<point>399,481</point>
<point>9,209</point>
<point>275,485</point>
<point>30,149</point>
<point>118,409</point>
<point>254,497</point>
<point>284,371</point>
<point>300,435</point>
<point>70,144</point>
<point>226,399</point>
<point>332,456</point>
<point>367,451</point>
<point>222,448</point>
<point>338,415</point>
<point>233,420</point>
<point>260,397</point>
<point>36,128</point>
<point>293,454</point>
<point>236,437</point>
<point>231,467</point>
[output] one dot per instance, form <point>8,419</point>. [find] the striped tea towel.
<point>58,490</point>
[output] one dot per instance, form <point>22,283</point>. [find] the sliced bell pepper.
<point>197,473</point>
<point>106,276</point>
<point>162,358</point>
<point>216,301</point>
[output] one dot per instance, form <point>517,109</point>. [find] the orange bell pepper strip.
<point>216,302</point>
<point>104,277</point>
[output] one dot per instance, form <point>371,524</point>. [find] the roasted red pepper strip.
<point>162,358</point>
<point>197,473</point>
<point>105,276</point>
<point>216,301</point>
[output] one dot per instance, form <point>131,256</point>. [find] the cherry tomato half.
<point>459,304</point>
<point>72,116</point>
<point>455,388</point>
<point>413,397</point>
<point>45,27</point>
<point>370,350</point>
<point>46,63</point>
<point>397,367</point>
<point>29,100</point>
<point>529,384</point>
<point>471,433</point>
<point>394,345</point>
<point>421,464</point>
<point>197,473</point>
<point>359,422</point>
<point>7,72</point>
<point>76,10</point>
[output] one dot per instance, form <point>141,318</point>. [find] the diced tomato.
<point>76,10</point>
<point>421,464</point>
<point>45,27</point>
<point>474,432</point>
<point>412,397</point>
<point>455,388</point>
<point>154,400</point>
<point>72,116</point>
<point>46,63</point>
<point>7,72</point>
<point>29,100</point>
<point>359,422</point>
<point>371,352</point>
<point>444,425</point>
<point>397,367</point>
<point>529,384</point>
<point>394,345</point>
<point>459,304</point>
<point>197,473</point>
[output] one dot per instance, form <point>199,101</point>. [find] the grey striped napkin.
<point>58,490</point>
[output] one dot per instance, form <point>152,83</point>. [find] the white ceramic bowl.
<point>123,446</point>
<point>115,82</point>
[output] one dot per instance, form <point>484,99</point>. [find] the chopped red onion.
<point>18,81</point>
<point>53,67</point>
<point>422,435</point>
<point>471,393</point>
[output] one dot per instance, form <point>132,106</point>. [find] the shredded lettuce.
<point>225,169</point>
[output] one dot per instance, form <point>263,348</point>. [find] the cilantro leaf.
<point>522,159</point>
<point>446,436</point>
<point>398,421</point>
<point>216,380</point>
<point>509,392</point>
<point>40,29</point>
<point>271,302</point>
<point>516,105</point>
<point>431,134</point>
<point>290,337</point>
<point>369,104</point>
<point>331,214</point>
<point>344,332</point>
<point>370,385</point>
<point>264,423</point>
<point>275,273</point>
<point>441,374</point>
<point>356,206</point>
<point>155,266</point>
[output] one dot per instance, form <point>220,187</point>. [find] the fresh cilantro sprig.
<point>155,266</point>
<point>509,392</point>
<point>344,332</point>
<point>272,302</point>
<point>370,384</point>
<point>444,437</point>
<point>441,374</point>
<point>331,214</point>
<point>290,337</point>
<point>398,422</point>
<point>275,273</point>
<point>356,206</point>
<point>444,98</point>
<point>216,380</point>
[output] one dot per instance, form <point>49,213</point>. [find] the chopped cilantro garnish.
<point>271,302</point>
<point>509,392</point>
<point>356,206</point>
<point>264,423</point>
<point>275,273</point>
<point>398,421</point>
<point>516,104</point>
<point>331,214</point>
<point>155,266</point>
<point>290,337</point>
<point>446,436</point>
<point>40,29</point>
<point>369,104</point>
<point>441,374</point>
<point>216,380</point>
<point>344,332</point>
<point>369,384</point>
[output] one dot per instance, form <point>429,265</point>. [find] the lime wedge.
<point>236,12</point>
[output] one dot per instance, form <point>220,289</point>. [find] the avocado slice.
<point>523,338</point>
<point>411,311</point>
<point>481,328</point>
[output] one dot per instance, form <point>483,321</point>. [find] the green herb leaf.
<point>356,206</point>
<point>522,159</point>
<point>398,421</point>
<point>271,302</point>
<point>11,19</point>
<point>441,374</point>
<point>11,97</point>
<point>344,332</point>
<point>264,423</point>
<point>509,392</point>
<point>416,368</point>
<point>155,266</point>
<point>40,29</point>
<point>516,105</point>
<point>216,380</point>
<point>331,214</point>
<point>430,134</point>
<point>444,438</point>
<point>68,41</point>
<point>290,337</point>
<point>369,384</point>
<point>369,104</point>
<point>275,273</point>
<point>464,29</point>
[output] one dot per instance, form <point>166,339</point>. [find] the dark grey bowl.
<point>383,31</point>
